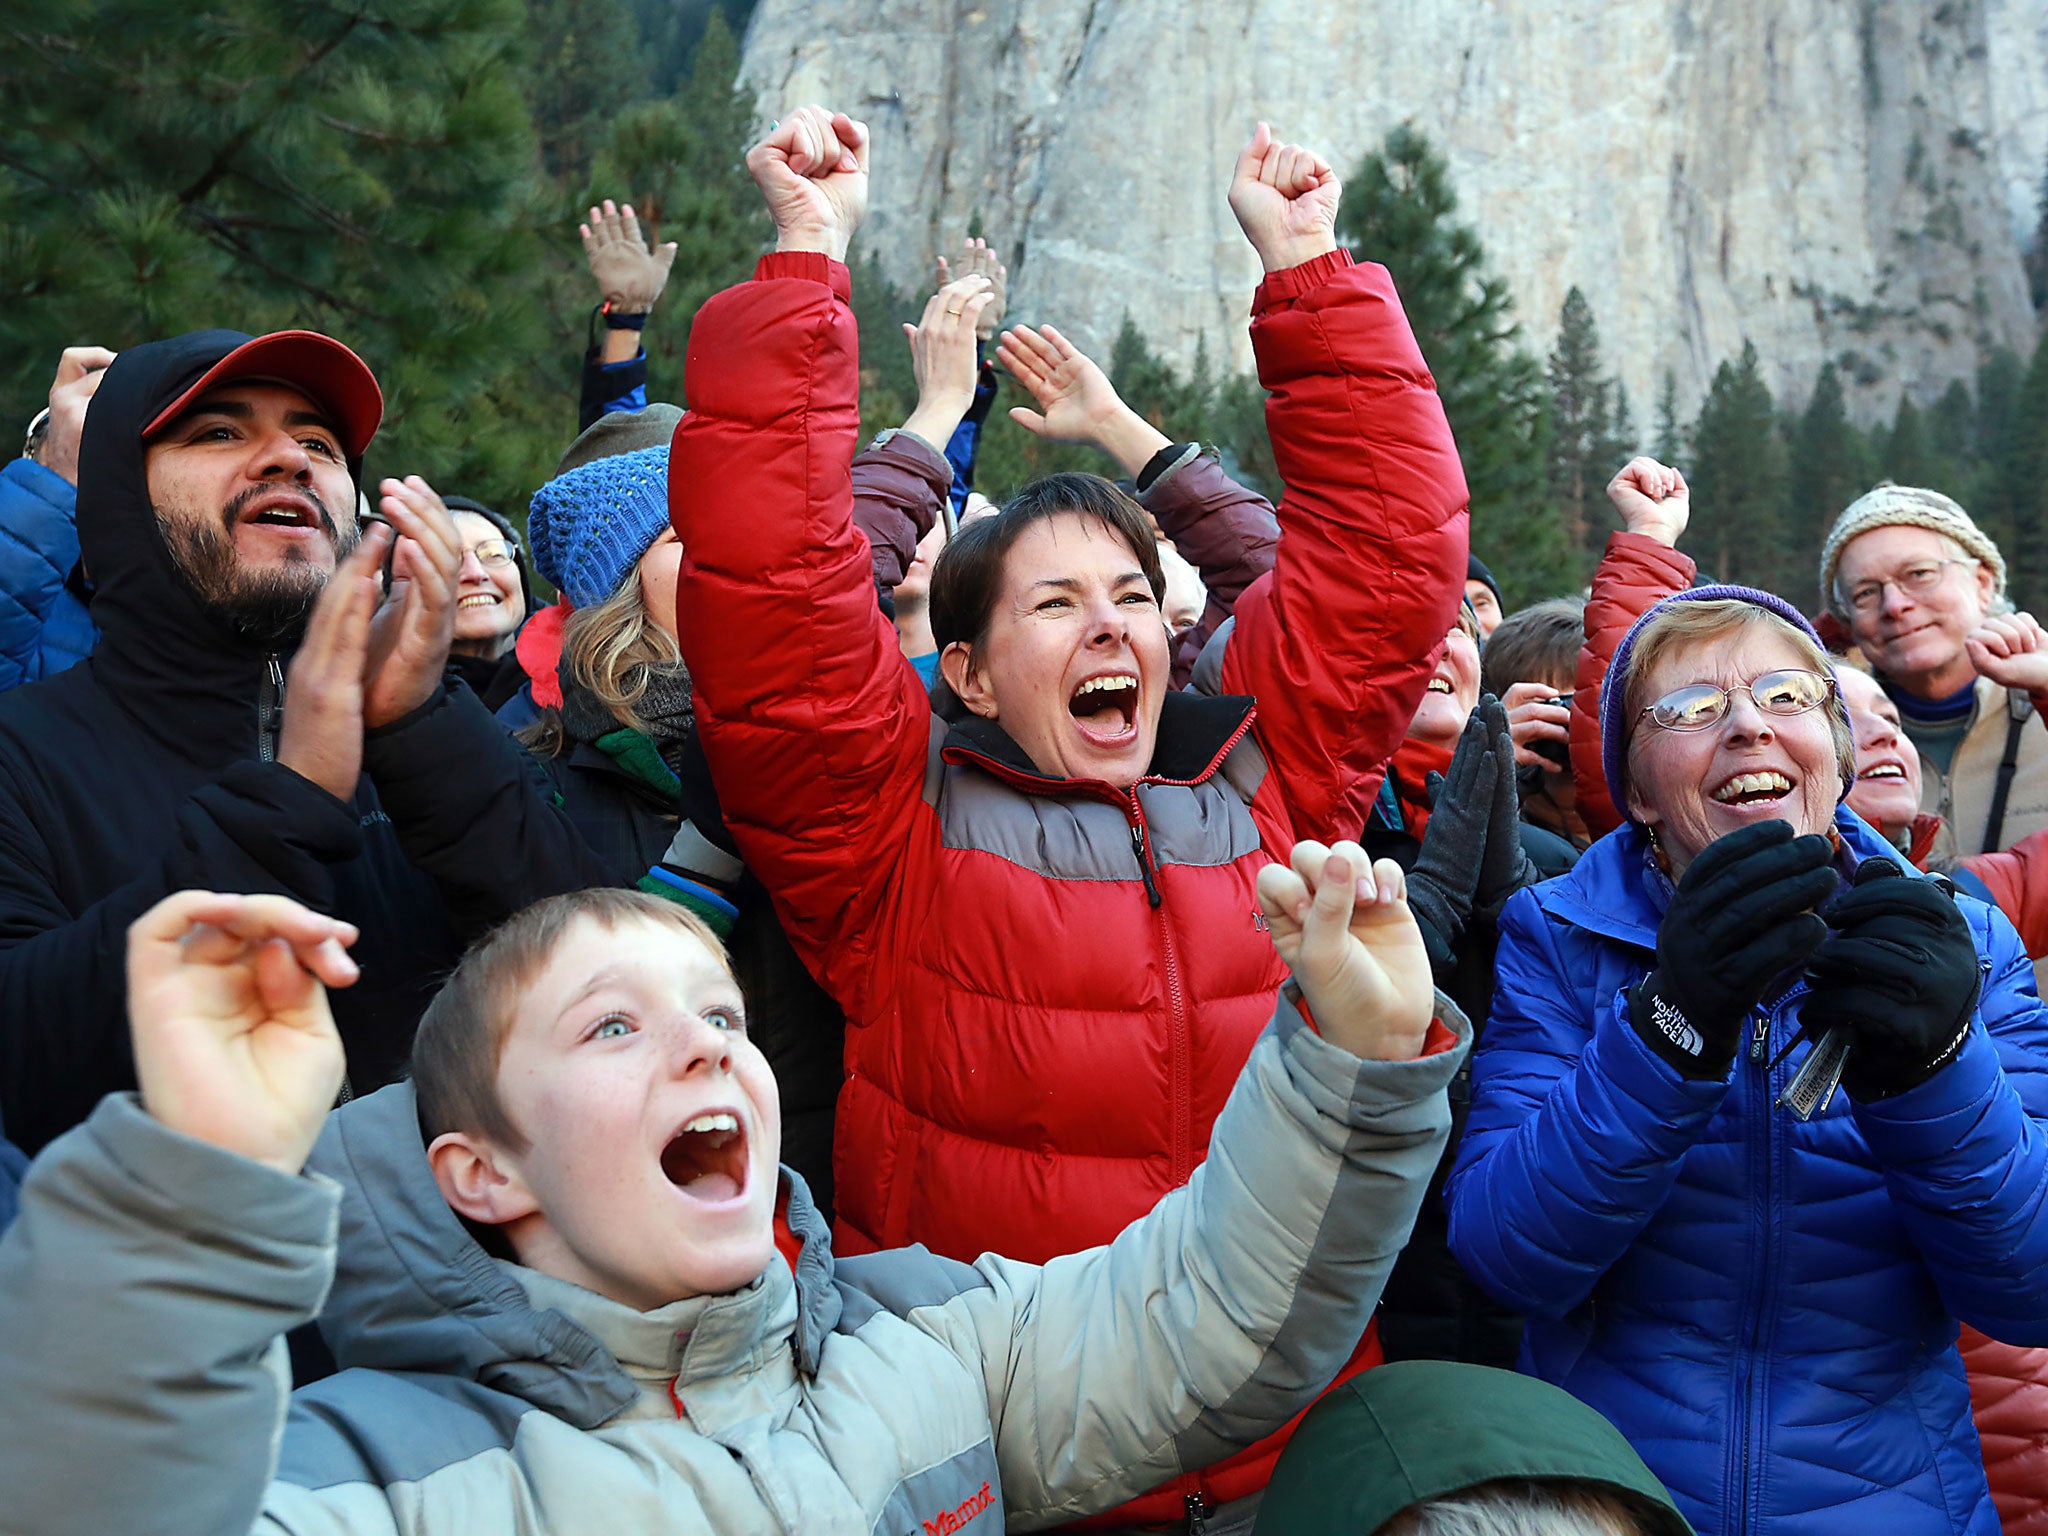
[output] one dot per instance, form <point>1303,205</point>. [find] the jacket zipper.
<point>1198,1514</point>
<point>269,709</point>
<point>1753,1421</point>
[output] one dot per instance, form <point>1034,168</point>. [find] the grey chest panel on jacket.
<point>1079,837</point>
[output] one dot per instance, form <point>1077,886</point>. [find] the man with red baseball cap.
<point>258,716</point>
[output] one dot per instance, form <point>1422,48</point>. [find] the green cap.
<point>1423,1429</point>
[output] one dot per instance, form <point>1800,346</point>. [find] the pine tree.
<point>2023,471</point>
<point>1905,449</point>
<point>362,169</point>
<point>681,163</point>
<point>1399,209</point>
<point>1739,478</point>
<point>1829,469</point>
<point>587,64</point>
<point>1581,427</point>
<point>1669,447</point>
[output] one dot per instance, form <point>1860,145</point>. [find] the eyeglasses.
<point>493,554</point>
<point>1793,691</point>
<point>1913,580</point>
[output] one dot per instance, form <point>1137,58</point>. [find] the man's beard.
<point>267,608</point>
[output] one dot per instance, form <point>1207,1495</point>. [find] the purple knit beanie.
<point>1614,729</point>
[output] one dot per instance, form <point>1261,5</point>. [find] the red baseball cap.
<point>317,366</point>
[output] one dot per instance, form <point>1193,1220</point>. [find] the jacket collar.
<point>1196,732</point>
<point>1617,891</point>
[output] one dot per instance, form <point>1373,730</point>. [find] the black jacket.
<point>146,770</point>
<point>797,1026</point>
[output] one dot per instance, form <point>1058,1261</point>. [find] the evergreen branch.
<point>220,234</point>
<point>234,146</point>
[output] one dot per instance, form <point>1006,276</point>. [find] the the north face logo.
<point>948,1521</point>
<point>1676,1028</point>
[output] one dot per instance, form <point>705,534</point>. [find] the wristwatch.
<point>38,431</point>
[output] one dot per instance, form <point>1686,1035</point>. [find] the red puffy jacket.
<point>1050,985</point>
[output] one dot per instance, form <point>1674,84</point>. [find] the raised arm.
<point>1227,1309</point>
<point>164,1247</point>
<point>1642,567</point>
<point>814,726</point>
<point>1338,642</point>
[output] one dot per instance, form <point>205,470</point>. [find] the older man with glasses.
<point>1921,589</point>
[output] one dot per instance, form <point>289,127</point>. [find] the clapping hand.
<point>2012,651</point>
<point>812,170</point>
<point>1653,499</point>
<point>227,1001</point>
<point>1343,926</point>
<point>1285,199</point>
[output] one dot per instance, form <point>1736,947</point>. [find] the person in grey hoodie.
<point>570,1291</point>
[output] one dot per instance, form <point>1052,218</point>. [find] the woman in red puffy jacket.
<point>1041,919</point>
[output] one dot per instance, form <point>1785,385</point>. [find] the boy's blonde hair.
<point>462,1034</point>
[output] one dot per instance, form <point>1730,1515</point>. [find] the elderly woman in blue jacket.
<point>1765,1305</point>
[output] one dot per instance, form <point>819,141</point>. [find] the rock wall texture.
<point>1845,179</point>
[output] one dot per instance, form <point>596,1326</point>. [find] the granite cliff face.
<point>1845,179</point>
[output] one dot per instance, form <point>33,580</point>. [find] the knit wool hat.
<point>1475,570</point>
<point>591,526</point>
<point>1891,506</point>
<point>1614,726</point>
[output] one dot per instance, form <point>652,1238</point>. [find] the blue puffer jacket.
<point>1766,1308</point>
<point>44,627</point>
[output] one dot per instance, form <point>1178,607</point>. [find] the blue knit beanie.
<point>590,526</point>
<point>1614,729</point>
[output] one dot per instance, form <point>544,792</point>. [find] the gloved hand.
<point>631,275</point>
<point>1507,866</point>
<point>1744,912</point>
<point>1900,972</point>
<point>1446,871</point>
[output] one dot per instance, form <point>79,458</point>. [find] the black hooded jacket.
<point>147,770</point>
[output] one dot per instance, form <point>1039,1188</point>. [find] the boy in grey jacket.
<point>663,1340</point>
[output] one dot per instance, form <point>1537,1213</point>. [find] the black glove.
<point>1899,972</point>
<point>1507,866</point>
<point>1744,912</point>
<point>1446,871</point>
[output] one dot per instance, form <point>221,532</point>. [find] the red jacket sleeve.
<point>2017,878</point>
<point>814,726</point>
<point>1225,530</point>
<point>1337,643</point>
<point>1634,575</point>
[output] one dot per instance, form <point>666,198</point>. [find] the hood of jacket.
<point>414,1291</point>
<point>190,678</point>
<point>1378,1444</point>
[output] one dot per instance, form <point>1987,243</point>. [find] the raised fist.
<point>2011,650</point>
<point>1652,498</point>
<point>812,170</point>
<point>1285,199</point>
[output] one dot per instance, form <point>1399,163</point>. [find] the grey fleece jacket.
<point>145,1286</point>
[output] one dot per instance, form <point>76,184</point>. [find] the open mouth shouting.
<point>1105,709</point>
<point>1440,685</point>
<point>706,1159</point>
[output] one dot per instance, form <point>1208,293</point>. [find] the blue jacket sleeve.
<point>38,548</point>
<point>1576,1128</point>
<point>964,447</point>
<point>1965,1154</point>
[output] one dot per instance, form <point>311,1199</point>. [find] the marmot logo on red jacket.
<point>946,1522</point>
